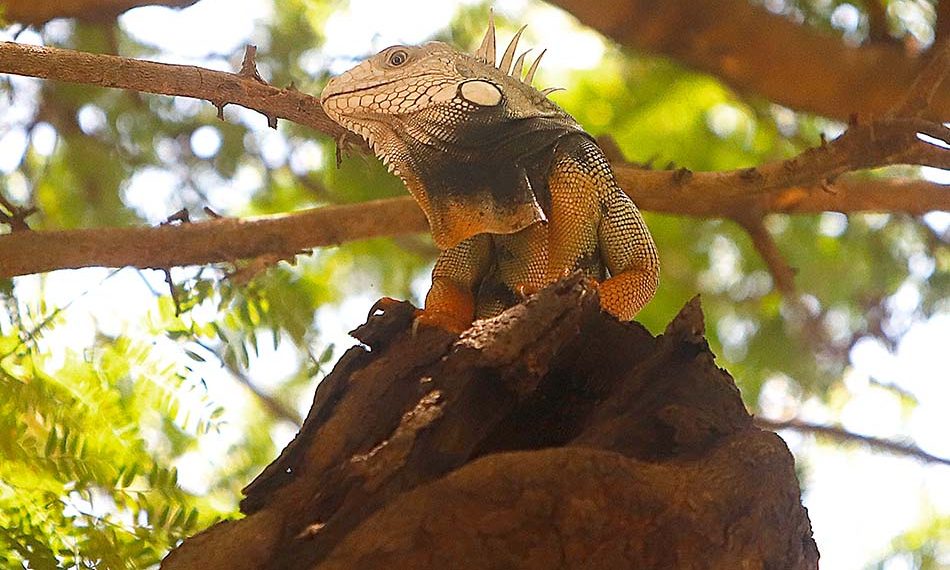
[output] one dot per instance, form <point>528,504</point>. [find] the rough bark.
<point>550,437</point>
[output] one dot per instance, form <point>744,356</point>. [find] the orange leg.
<point>448,306</point>
<point>458,271</point>
<point>624,295</point>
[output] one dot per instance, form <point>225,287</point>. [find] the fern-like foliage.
<point>87,447</point>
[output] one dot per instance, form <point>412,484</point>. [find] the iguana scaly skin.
<point>516,193</point>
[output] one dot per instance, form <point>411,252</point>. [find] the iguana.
<point>516,193</point>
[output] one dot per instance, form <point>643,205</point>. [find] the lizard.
<point>516,193</point>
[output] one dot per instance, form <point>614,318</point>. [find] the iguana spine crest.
<point>486,53</point>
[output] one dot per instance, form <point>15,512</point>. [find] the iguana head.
<point>456,127</point>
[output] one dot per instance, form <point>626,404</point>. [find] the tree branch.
<point>797,185</point>
<point>227,239</point>
<point>756,51</point>
<point>870,145</point>
<point>218,87</point>
<point>272,404</point>
<point>877,21</point>
<point>782,273</point>
<point>36,13</point>
<point>920,96</point>
<point>841,435</point>
<point>223,239</point>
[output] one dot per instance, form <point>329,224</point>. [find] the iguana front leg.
<point>594,225</point>
<point>630,255</point>
<point>457,274</point>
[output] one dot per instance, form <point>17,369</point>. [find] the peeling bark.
<point>552,436</point>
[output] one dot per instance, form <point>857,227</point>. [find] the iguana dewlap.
<point>516,193</point>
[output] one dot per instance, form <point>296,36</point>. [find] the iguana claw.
<point>441,320</point>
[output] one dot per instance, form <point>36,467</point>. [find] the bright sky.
<point>857,501</point>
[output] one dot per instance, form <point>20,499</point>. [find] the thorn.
<point>509,54</point>
<point>486,51</point>
<point>179,216</point>
<point>529,78</point>
<point>17,216</point>
<point>518,68</point>
<point>682,175</point>
<point>750,174</point>
<point>249,64</point>
<point>171,290</point>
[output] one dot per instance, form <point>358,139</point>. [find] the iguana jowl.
<point>516,193</point>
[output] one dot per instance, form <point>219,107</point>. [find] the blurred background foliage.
<point>109,385</point>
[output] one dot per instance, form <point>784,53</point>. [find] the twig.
<point>36,331</point>
<point>921,93</point>
<point>181,216</point>
<point>877,21</point>
<point>273,405</point>
<point>942,31</point>
<point>782,273</point>
<point>842,435</point>
<point>14,216</point>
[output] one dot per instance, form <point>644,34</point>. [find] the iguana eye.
<point>398,58</point>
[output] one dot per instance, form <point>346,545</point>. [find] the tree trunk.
<point>552,436</point>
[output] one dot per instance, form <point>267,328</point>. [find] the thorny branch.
<point>888,141</point>
<point>218,87</point>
